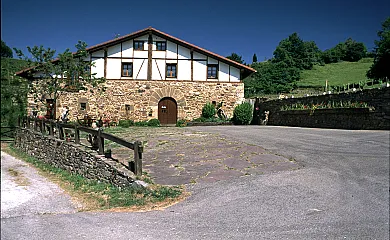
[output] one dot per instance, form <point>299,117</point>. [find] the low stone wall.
<point>343,118</point>
<point>73,158</point>
<point>332,118</point>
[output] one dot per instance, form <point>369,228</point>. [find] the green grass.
<point>97,195</point>
<point>336,73</point>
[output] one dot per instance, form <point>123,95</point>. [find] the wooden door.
<point>167,111</point>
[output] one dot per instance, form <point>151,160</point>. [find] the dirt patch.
<point>19,178</point>
<point>176,156</point>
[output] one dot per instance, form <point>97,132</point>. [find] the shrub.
<point>141,124</point>
<point>208,110</point>
<point>200,119</point>
<point>181,123</point>
<point>125,123</point>
<point>154,122</point>
<point>242,114</point>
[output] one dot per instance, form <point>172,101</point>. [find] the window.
<point>127,69</point>
<point>83,106</point>
<point>129,108</point>
<point>161,46</point>
<point>212,71</point>
<point>139,45</point>
<point>171,70</point>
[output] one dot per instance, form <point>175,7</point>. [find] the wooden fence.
<point>96,136</point>
<point>7,134</point>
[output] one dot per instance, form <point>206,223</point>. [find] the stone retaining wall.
<point>73,158</point>
<point>333,118</point>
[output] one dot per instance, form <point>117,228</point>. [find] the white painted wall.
<point>223,75</point>
<point>199,56</point>
<point>184,53</point>
<point>99,53</point>
<point>140,54</point>
<point>211,61</point>
<point>234,74</point>
<point>160,58</point>
<point>127,49</point>
<point>171,50</point>
<point>98,67</point>
<point>200,70</point>
<point>156,66</point>
<point>158,54</point>
<point>114,51</point>
<point>184,70</point>
<point>141,68</point>
<point>156,38</point>
<point>161,66</point>
<point>114,68</point>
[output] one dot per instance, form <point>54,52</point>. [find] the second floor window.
<point>127,69</point>
<point>139,45</point>
<point>161,46</point>
<point>212,71</point>
<point>171,70</point>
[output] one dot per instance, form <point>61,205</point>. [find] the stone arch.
<point>167,91</point>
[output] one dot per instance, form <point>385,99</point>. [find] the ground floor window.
<point>127,69</point>
<point>171,70</point>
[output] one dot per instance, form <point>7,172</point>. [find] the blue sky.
<point>245,27</point>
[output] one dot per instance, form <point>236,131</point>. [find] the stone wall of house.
<point>73,158</point>
<point>142,98</point>
<point>345,119</point>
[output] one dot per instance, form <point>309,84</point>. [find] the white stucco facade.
<point>191,65</point>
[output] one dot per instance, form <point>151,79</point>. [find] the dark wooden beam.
<point>105,63</point>
<point>192,65</point>
<point>150,55</point>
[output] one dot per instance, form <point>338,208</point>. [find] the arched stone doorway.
<point>167,111</point>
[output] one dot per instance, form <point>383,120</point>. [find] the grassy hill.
<point>336,73</point>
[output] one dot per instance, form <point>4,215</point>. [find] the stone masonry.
<point>138,100</point>
<point>73,158</point>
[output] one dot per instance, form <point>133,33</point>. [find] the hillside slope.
<point>336,73</point>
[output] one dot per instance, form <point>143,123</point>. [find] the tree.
<point>271,78</point>
<point>354,50</point>
<point>6,52</point>
<point>69,72</point>
<point>380,68</point>
<point>294,52</point>
<point>350,51</point>
<point>13,91</point>
<point>254,58</point>
<point>235,57</point>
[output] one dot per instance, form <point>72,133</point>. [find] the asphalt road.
<point>342,192</point>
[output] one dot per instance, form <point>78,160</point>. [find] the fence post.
<point>100,142</point>
<point>35,125</point>
<point>138,149</point>
<point>42,126</point>
<point>51,132</point>
<point>60,131</point>
<point>76,134</point>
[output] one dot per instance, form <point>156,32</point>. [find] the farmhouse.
<point>150,74</point>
